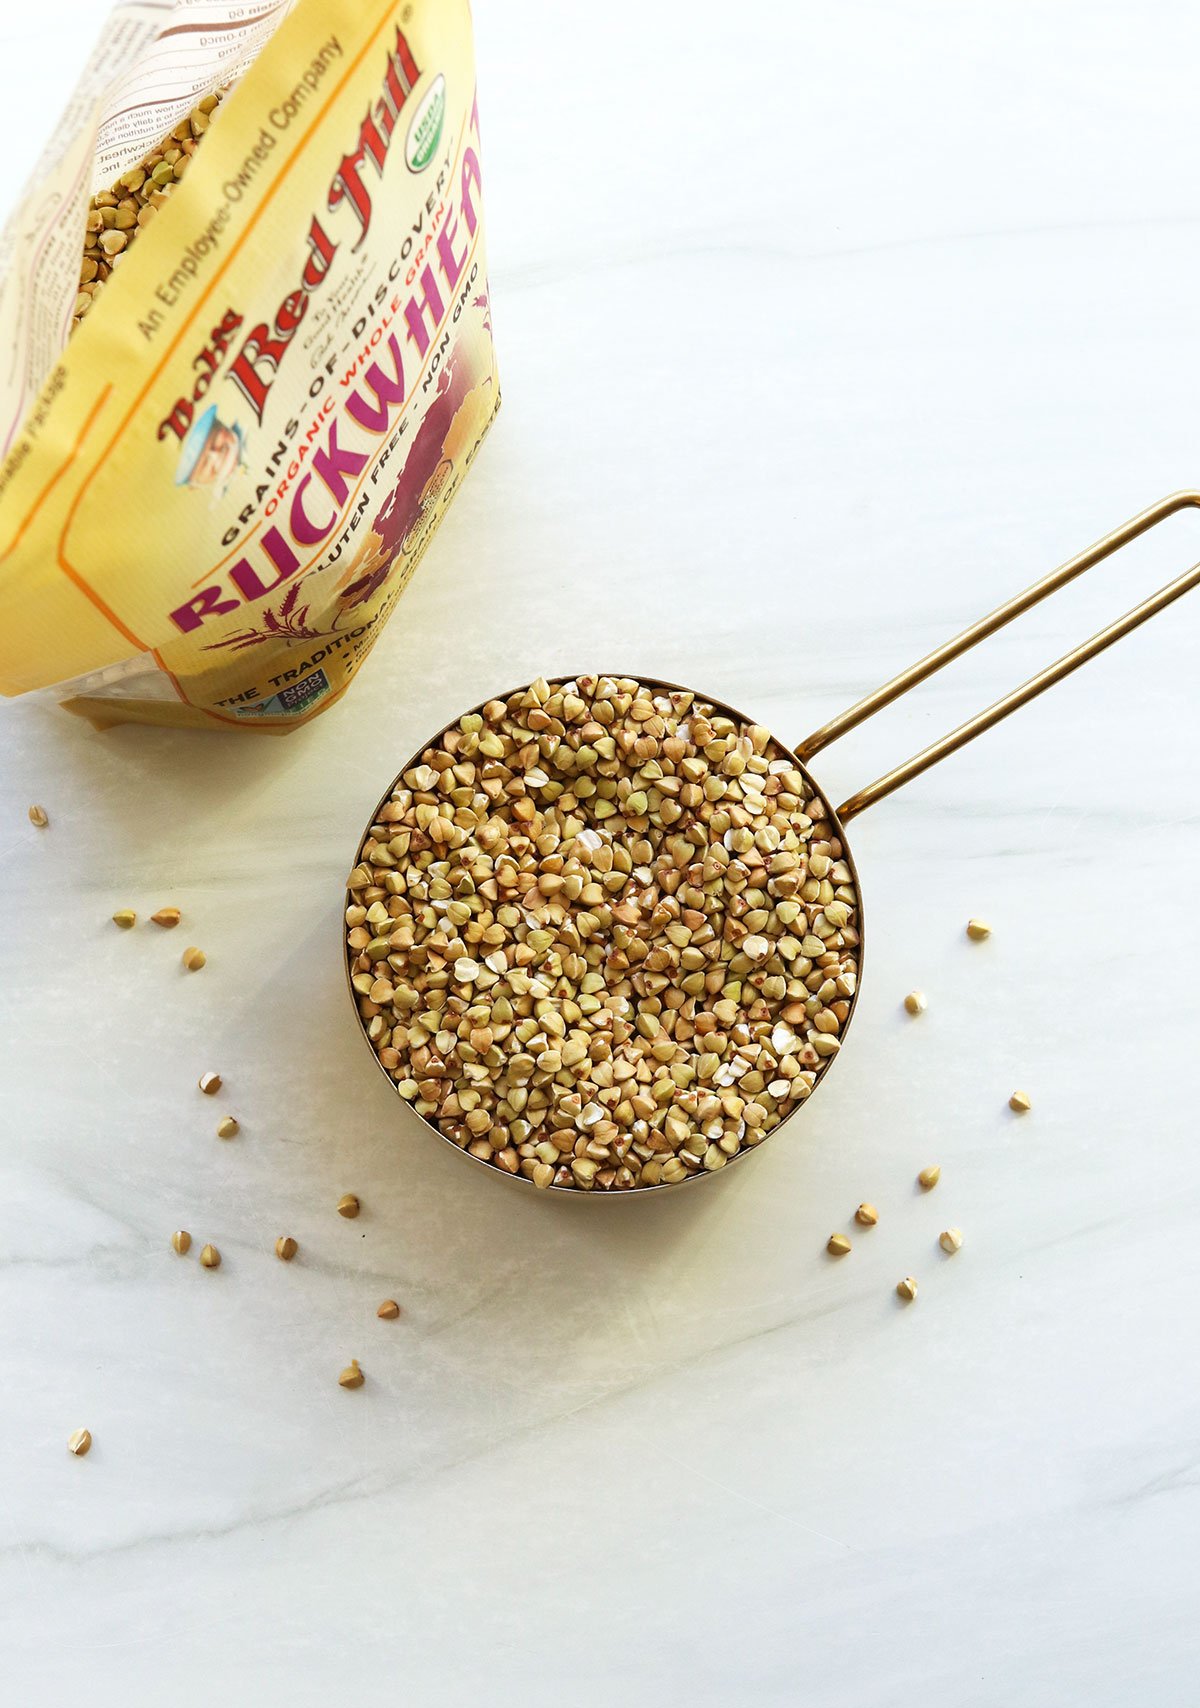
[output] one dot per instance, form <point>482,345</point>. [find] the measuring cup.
<point>891,780</point>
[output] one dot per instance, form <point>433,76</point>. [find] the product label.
<point>249,442</point>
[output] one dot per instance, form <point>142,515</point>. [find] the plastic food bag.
<point>213,495</point>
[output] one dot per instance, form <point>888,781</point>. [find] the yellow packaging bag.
<point>213,495</point>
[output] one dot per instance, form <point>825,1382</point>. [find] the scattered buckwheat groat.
<point>117,215</point>
<point>194,959</point>
<point>907,1289</point>
<point>603,936</point>
<point>181,1241</point>
<point>167,917</point>
<point>978,930</point>
<point>210,1257</point>
<point>389,1310</point>
<point>929,1177</point>
<point>79,1442</point>
<point>352,1376</point>
<point>915,1002</point>
<point>951,1241</point>
<point>285,1248</point>
<point>837,1245</point>
<point>348,1206</point>
<point>228,1128</point>
<point>866,1215</point>
<point>209,1083</point>
<point>125,917</point>
<point>39,817</point>
<point>1019,1103</point>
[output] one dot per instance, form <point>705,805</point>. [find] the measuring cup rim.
<point>722,708</point>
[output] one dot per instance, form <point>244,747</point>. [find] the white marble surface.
<point>822,329</point>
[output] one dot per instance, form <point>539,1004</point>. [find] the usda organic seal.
<point>425,131</point>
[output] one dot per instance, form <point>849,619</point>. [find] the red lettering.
<point>398,84</point>
<point>385,118</point>
<point>178,421</point>
<point>470,175</point>
<point>387,392</point>
<point>247,579</point>
<point>224,332</point>
<point>257,362</point>
<point>317,265</point>
<point>401,78</point>
<point>212,602</point>
<point>303,530</point>
<point>430,303</point>
<point>402,60</point>
<point>331,464</point>
<point>291,312</point>
<point>208,363</point>
<point>347,180</point>
<point>259,348</point>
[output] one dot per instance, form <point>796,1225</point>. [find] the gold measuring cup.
<point>901,774</point>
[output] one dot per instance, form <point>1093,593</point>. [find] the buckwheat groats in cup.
<point>602,936</point>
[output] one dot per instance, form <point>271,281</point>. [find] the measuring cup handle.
<point>988,625</point>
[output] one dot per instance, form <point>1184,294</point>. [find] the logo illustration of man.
<point>211,454</point>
